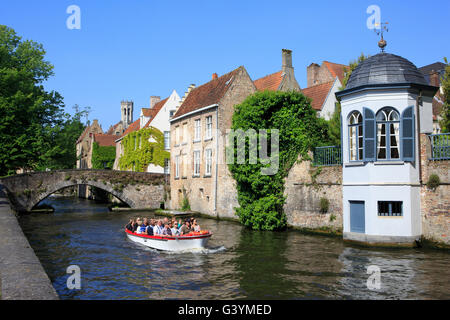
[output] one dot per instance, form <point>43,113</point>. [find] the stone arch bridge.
<point>140,190</point>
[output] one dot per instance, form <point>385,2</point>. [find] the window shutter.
<point>407,134</point>
<point>369,131</point>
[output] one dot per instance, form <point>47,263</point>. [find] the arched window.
<point>388,139</point>
<point>355,136</point>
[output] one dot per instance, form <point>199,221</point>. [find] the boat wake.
<point>206,250</point>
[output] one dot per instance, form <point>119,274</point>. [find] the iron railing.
<point>327,156</point>
<point>440,146</point>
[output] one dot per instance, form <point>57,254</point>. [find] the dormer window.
<point>388,138</point>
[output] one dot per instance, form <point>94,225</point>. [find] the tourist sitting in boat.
<point>158,229</point>
<point>167,231</point>
<point>174,228</point>
<point>195,226</point>
<point>129,225</point>
<point>185,228</point>
<point>140,227</point>
<point>148,228</point>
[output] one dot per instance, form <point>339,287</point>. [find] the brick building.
<point>198,137</point>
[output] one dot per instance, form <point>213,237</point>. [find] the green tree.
<point>261,197</point>
<point>62,153</point>
<point>335,121</point>
<point>445,113</point>
<point>29,114</point>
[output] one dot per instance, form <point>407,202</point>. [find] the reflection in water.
<point>238,264</point>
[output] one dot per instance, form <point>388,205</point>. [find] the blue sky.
<point>134,49</point>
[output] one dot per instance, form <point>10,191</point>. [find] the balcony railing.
<point>327,156</point>
<point>440,146</point>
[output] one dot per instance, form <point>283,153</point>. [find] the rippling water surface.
<point>238,263</point>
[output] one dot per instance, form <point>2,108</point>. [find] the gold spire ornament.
<point>383,27</point>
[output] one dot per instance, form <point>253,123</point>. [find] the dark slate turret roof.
<point>383,69</point>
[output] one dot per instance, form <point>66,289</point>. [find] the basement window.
<point>390,208</point>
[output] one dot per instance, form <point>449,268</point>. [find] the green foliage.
<point>335,121</point>
<point>324,205</point>
<point>29,113</point>
<point>261,197</point>
<point>332,217</point>
<point>103,156</point>
<point>433,181</point>
<point>185,206</point>
<point>445,113</point>
<point>142,148</point>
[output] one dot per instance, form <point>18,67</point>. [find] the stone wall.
<point>304,187</point>
<point>435,204</point>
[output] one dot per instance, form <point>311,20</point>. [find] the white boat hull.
<point>170,243</point>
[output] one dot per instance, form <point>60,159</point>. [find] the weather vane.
<point>383,27</point>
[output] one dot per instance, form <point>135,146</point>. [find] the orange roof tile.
<point>269,82</point>
<point>318,94</point>
<point>207,94</point>
<point>336,69</point>
<point>132,127</point>
<point>105,139</point>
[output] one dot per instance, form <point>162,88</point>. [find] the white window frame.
<point>208,167</point>
<point>166,140</point>
<point>197,129</point>
<point>208,130</point>
<point>177,166</point>
<point>196,163</point>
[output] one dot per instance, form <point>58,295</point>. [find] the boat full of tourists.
<point>192,240</point>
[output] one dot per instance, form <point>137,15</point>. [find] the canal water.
<point>238,263</point>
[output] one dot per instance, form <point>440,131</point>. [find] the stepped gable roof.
<point>269,82</point>
<point>318,94</point>
<point>105,140</point>
<point>207,94</point>
<point>336,69</point>
<point>154,111</point>
<point>112,128</point>
<point>385,68</point>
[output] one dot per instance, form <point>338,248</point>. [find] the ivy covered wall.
<point>141,148</point>
<point>103,156</point>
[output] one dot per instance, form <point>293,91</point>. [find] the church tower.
<point>126,109</point>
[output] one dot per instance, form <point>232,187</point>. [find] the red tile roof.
<point>336,69</point>
<point>318,94</point>
<point>269,82</point>
<point>207,94</point>
<point>131,128</point>
<point>154,111</point>
<point>105,139</point>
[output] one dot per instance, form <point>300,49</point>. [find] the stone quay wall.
<point>304,187</point>
<point>22,276</point>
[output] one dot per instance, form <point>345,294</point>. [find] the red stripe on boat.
<point>185,237</point>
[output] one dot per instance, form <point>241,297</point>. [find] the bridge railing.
<point>327,156</point>
<point>440,146</point>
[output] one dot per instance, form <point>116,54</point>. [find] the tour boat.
<point>193,240</point>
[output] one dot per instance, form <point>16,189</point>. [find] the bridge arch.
<point>140,190</point>
<point>41,196</point>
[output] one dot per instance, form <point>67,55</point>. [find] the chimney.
<point>286,59</point>
<point>434,78</point>
<point>154,100</point>
<point>214,76</point>
<point>311,74</point>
